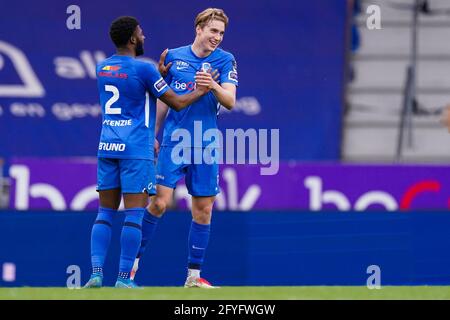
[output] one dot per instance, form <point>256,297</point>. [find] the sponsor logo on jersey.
<point>111,68</point>
<point>181,65</point>
<point>113,74</point>
<point>184,85</point>
<point>106,146</point>
<point>160,84</point>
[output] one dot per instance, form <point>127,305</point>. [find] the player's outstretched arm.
<point>179,102</point>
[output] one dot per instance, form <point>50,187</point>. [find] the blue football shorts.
<point>202,180</point>
<point>130,175</point>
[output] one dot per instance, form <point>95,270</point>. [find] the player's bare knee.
<point>158,207</point>
<point>202,215</point>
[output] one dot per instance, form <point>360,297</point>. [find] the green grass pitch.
<point>231,293</point>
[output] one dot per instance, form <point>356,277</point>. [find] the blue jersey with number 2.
<point>128,91</point>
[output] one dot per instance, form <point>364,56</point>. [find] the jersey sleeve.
<point>152,79</point>
<point>229,71</point>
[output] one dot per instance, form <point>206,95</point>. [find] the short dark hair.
<point>122,29</point>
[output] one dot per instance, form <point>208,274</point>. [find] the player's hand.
<point>164,70</point>
<point>156,147</point>
<point>215,75</point>
<point>205,81</point>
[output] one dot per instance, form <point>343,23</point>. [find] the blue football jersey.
<point>180,78</point>
<point>128,91</point>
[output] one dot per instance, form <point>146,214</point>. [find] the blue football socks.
<point>149,224</point>
<point>130,240</point>
<point>198,242</point>
<point>100,238</point>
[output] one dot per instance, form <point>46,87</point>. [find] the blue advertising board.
<point>290,56</point>
<point>303,248</point>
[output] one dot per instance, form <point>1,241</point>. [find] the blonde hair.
<point>210,14</point>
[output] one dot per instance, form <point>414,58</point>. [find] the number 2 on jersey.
<point>110,110</point>
<point>108,107</point>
